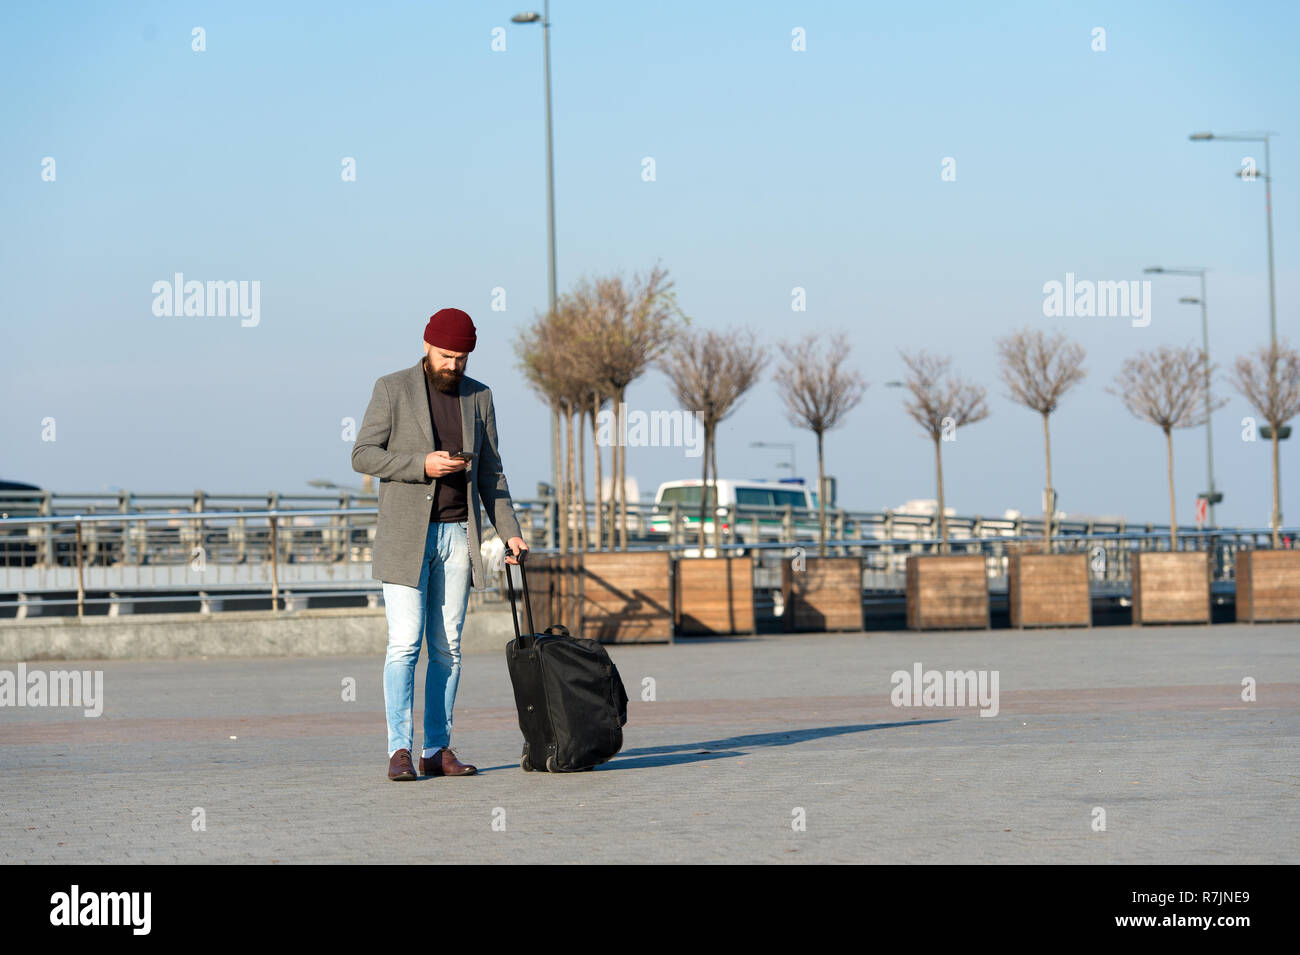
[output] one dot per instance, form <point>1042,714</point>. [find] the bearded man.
<point>430,436</point>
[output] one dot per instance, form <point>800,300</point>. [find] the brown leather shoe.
<point>399,767</point>
<point>445,763</point>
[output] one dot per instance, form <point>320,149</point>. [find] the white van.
<point>764,501</point>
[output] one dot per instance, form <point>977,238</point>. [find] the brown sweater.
<point>450,501</point>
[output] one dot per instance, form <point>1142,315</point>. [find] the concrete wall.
<point>236,634</point>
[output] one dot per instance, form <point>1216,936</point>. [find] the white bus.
<point>746,501</point>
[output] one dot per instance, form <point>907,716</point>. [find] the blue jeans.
<point>438,604</point>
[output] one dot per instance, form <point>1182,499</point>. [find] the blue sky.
<point>774,169</point>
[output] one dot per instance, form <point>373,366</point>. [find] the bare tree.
<point>940,404</point>
<point>1167,387</point>
<point>586,354</point>
<point>634,325</point>
<point>709,373</point>
<point>819,390</point>
<point>540,349</point>
<point>1270,380</point>
<point>1039,369</point>
<point>574,382</point>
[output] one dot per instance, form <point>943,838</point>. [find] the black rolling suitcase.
<point>571,701</point>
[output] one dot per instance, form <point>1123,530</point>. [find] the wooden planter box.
<point>947,591</point>
<point>715,595</point>
<point>623,598</point>
<point>1171,587</point>
<point>1049,590</point>
<point>1268,585</point>
<point>826,594</point>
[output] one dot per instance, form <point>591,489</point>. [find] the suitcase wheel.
<point>523,764</point>
<point>551,765</point>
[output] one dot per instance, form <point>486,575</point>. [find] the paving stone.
<point>1147,724</point>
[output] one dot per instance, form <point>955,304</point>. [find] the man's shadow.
<point>676,754</point>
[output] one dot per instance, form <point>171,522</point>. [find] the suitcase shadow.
<point>676,754</point>
<point>666,759</point>
<point>673,754</point>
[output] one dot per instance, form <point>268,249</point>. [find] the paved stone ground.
<point>1147,724</point>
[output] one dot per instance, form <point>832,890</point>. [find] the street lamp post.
<point>545,19</point>
<point>1212,495</point>
<point>1268,211</point>
<point>1262,137</point>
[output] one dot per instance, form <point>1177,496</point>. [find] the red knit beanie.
<point>452,329</point>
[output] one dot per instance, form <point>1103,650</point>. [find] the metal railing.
<point>227,549</point>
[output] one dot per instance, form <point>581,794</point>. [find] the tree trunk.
<point>1277,501</point>
<point>566,541</point>
<point>704,492</point>
<point>575,480</point>
<point>561,530</point>
<point>595,447</point>
<point>943,520</point>
<point>622,487</point>
<point>1051,492</point>
<point>582,478</point>
<point>614,444</point>
<point>821,498</point>
<point>1173,510</point>
<point>713,466</point>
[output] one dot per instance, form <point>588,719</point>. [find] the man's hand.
<point>439,464</point>
<point>514,546</point>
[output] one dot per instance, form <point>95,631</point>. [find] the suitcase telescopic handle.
<point>528,604</point>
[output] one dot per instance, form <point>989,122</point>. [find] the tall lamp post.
<point>1264,431</point>
<point>1212,496</point>
<point>545,19</point>
<point>1268,208</point>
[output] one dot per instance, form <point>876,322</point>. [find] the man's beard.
<point>448,382</point>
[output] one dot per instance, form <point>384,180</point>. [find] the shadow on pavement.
<point>776,739</point>
<point>673,754</point>
<point>666,759</point>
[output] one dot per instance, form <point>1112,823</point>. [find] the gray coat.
<point>396,435</point>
